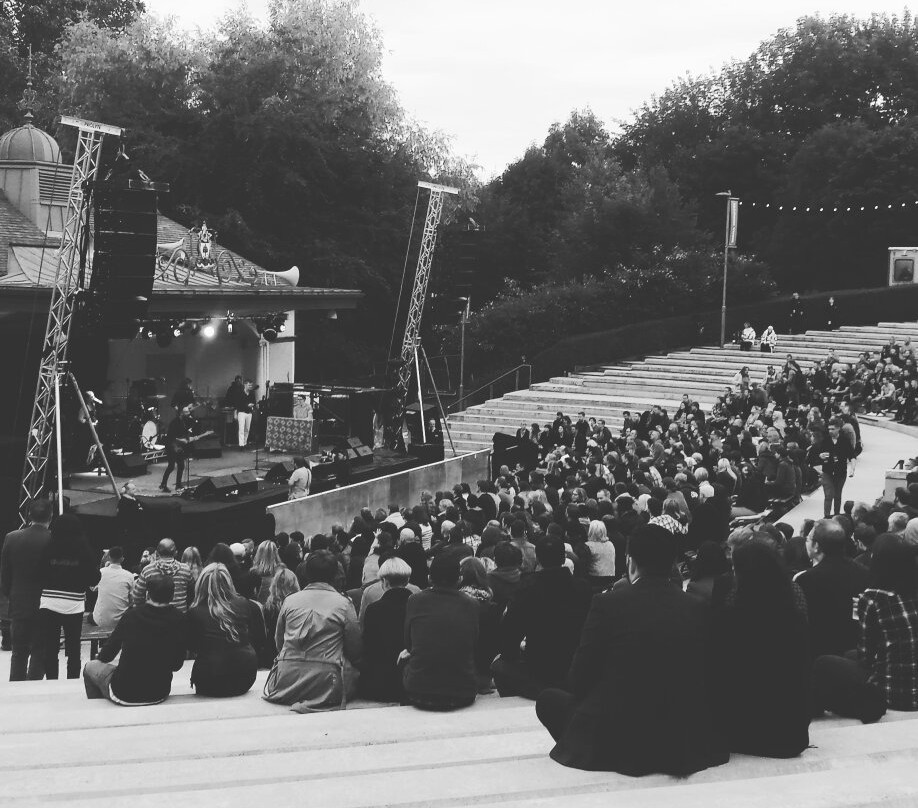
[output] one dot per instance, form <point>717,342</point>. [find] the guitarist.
<point>179,437</point>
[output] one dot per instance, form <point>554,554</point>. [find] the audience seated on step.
<point>640,697</point>
<point>223,630</point>
<point>762,658</point>
<point>318,641</point>
<point>441,632</point>
<point>546,616</point>
<point>164,563</point>
<point>829,586</point>
<point>113,591</point>
<point>883,671</point>
<point>151,641</point>
<point>283,583</point>
<point>383,623</point>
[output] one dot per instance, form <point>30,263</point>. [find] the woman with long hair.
<point>266,564</point>
<point>222,628</point>
<point>282,584</point>
<point>474,579</point>
<point>763,658</point>
<point>192,557</point>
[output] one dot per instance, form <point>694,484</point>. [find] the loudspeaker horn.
<point>290,277</point>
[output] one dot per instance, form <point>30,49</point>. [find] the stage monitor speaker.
<point>208,447</point>
<point>427,452</point>
<point>354,443</point>
<point>280,472</point>
<point>363,451</point>
<point>216,487</point>
<point>129,465</point>
<point>124,257</point>
<point>352,455</point>
<point>247,482</point>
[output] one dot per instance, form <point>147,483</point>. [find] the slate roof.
<point>15,228</point>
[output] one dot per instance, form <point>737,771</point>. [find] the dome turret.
<point>28,143</point>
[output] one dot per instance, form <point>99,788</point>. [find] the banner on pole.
<point>733,209</point>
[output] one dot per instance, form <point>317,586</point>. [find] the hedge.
<point>854,307</point>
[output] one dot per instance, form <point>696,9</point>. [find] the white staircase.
<point>702,372</point>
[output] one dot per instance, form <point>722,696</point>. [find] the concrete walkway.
<point>883,448</point>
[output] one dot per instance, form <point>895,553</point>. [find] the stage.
<point>203,523</point>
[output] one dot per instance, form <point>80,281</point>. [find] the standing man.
<point>179,437</point>
<point>244,410</point>
<point>833,453</point>
<point>301,479</point>
<point>235,396</point>
<point>20,581</point>
<point>796,316</point>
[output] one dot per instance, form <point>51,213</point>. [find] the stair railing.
<point>520,373</point>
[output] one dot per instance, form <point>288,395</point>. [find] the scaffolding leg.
<point>439,403</point>
<point>57,436</point>
<point>417,370</point>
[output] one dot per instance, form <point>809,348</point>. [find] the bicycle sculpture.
<point>194,253</point>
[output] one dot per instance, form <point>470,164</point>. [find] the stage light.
<point>208,332</point>
<point>176,331</point>
<point>229,326</point>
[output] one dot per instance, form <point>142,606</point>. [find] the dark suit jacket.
<point>21,569</point>
<point>829,587</point>
<point>549,611</point>
<point>383,640</point>
<point>642,685</point>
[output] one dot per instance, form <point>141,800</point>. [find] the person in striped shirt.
<point>165,563</point>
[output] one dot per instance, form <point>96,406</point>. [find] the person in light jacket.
<point>319,643</point>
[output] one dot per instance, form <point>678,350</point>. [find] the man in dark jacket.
<point>548,613</point>
<point>640,685</point>
<point>20,581</point>
<point>441,633</point>
<point>833,453</point>
<point>829,587</point>
<point>151,638</point>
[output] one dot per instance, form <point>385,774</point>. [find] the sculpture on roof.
<point>194,253</point>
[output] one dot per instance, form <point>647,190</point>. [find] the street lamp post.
<point>723,300</point>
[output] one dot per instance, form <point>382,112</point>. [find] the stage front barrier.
<point>318,512</point>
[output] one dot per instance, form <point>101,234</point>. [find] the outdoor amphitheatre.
<point>332,472</point>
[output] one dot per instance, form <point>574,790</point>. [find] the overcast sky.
<point>495,74</point>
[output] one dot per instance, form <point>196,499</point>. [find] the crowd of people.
<point>610,584</point>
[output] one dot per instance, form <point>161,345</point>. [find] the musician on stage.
<point>179,436</point>
<point>183,397</point>
<point>245,406</point>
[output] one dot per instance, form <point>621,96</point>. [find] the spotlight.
<point>208,332</point>
<point>229,326</point>
<point>176,331</point>
<point>269,333</point>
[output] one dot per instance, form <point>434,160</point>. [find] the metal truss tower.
<point>45,415</point>
<point>408,358</point>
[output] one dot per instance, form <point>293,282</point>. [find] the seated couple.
<point>153,638</point>
<point>419,648</point>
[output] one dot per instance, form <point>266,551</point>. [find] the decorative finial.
<point>27,104</point>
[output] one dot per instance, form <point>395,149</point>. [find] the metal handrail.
<point>490,385</point>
